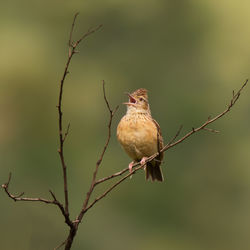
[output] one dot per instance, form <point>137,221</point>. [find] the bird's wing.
<point>160,143</point>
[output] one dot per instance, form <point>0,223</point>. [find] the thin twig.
<point>111,176</point>
<point>19,198</point>
<point>60,205</point>
<point>98,163</point>
<point>90,31</point>
<point>59,246</point>
<point>212,130</point>
<point>118,182</point>
<point>176,135</point>
<point>66,133</point>
<point>72,29</point>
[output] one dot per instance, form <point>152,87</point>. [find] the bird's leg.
<point>143,161</point>
<point>130,166</point>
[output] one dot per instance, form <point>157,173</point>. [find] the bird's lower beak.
<point>129,103</point>
<point>132,100</point>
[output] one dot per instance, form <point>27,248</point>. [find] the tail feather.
<point>153,172</point>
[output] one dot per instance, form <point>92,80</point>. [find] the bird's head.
<point>138,101</point>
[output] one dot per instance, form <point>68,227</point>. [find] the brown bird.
<point>140,135</point>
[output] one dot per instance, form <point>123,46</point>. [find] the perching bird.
<point>140,135</point>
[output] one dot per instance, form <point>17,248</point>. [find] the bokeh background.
<point>190,55</point>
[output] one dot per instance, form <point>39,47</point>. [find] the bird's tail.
<point>153,172</point>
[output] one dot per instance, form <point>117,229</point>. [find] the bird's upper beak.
<point>132,100</point>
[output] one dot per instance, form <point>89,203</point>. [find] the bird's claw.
<point>130,167</point>
<point>143,162</point>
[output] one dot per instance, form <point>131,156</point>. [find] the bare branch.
<point>60,205</point>
<point>98,163</point>
<point>209,121</point>
<point>111,176</point>
<point>90,31</point>
<point>72,29</point>
<point>72,51</point>
<point>118,182</point>
<point>19,198</point>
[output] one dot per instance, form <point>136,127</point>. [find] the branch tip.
<point>211,130</point>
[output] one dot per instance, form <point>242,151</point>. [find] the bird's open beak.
<point>132,100</point>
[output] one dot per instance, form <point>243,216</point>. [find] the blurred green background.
<point>190,55</point>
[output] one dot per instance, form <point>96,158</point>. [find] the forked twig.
<point>19,196</point>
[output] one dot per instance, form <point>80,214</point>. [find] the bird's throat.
<point>134,111</point>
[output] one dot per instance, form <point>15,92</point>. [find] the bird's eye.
<point>141,99</point>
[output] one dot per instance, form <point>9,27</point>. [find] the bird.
<point>140,135</point>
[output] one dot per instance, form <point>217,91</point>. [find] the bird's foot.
<point>130,166</point>
<point>143,162</point>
